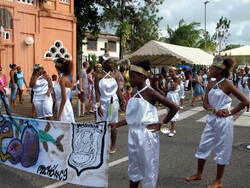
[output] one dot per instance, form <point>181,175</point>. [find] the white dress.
<point>67,113</point>
<point>218,134</point>
<point>143,145</point>
<point>246,89</point>
<point>175,97</point>
<point>182,87</point>
<point>239,84</point>
<point>43,104</point>
<point>108,99</point>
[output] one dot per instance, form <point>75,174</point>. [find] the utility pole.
<point>205,17</point>
<point>122,6</point>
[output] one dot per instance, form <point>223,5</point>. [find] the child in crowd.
<point>173,88</point>
<point>143,135</point>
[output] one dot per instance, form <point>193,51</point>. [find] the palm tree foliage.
<point>189,35</point>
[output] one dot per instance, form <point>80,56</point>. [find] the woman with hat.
<point>218,134</point>
<point>143,121</point>
<point>63,91</point>
<point>41,85</point>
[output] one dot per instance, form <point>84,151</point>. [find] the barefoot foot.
<point>215,185</point>
<point>194,178</point>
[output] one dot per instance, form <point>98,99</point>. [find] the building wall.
<point>101,40</point>
<point>46,24</point>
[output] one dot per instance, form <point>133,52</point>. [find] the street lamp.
<point>205,17</point>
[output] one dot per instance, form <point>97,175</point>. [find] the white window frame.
<point>65,1</point>
<point>27,2</point>
<point>5,35</point>
<point>57,51</point>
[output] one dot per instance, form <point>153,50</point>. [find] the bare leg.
<point>218,181</point>
<point>91,106</point>
<point>134,184</point>
<point>14,102</point>
<point>20,93</point>
<point>193,100</point>
<point>182,102</point>
<point>172,128</point>
<point>82,109</point>
<point>202,98</point>
<point>33,111</point>
<point>198,175</point>
<point>113,140</point>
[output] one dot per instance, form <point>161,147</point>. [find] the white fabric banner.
<point>75,153</point>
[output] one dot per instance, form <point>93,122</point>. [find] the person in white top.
<point>173,89</point>
<point>182,78</point>
<point>107,101</point>
<point>41,84</point>
<point>239,79</point>
<point>244,83</point>
<point>218,134</point>
<point>63,91</point>
<point>144,125</point>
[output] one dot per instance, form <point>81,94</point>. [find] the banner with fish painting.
<point>75,153</point>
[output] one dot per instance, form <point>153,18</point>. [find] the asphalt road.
<point>176,158</point>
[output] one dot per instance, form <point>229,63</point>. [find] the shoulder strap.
<point>107,74</point>
<point>217,84</point>
<point>139,92</point>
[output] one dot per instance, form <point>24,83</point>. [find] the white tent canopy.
<point>160,53</point>
<point>241,51</point>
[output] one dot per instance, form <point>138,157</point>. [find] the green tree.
<point>210,44</point>
<point>89,17</point>
<point>135,22</point>
<point>189,35</point>
<point>145,26</point>
<point>185,34</point>
<point>222,33</point>
<point>232,46</point>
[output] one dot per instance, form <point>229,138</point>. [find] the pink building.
<point>36,31</point>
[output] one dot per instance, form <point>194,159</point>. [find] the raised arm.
<point>33,79</point>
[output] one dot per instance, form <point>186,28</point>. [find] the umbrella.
<point>185,67</point>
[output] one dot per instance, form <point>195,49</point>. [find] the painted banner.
<point>71,152</point>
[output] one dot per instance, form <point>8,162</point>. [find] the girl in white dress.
<point>63,90</point>
<point>244,83</point>
<point>173,89</point>
<point>218,134</point>
<point>142,118</point>
<point>41,84</point>
<point>107,102</point>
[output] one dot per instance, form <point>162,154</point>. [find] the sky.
<point>238,11</point>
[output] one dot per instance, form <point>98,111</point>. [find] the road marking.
<point>111,164</point>
<point>240,122</point>
<point>114,163</point>
<point>57,184</point>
